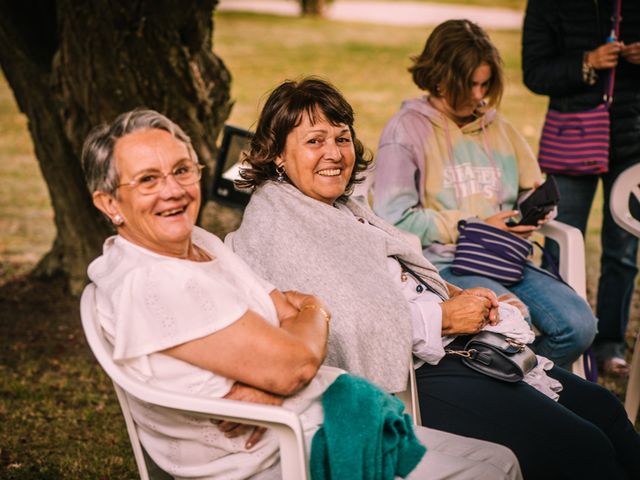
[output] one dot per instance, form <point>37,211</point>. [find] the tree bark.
<point>314,8</point>
<point>74,64</point>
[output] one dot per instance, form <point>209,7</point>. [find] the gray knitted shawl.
<point>299,243</point>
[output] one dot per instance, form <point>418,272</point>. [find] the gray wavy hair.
<point>99,168</point>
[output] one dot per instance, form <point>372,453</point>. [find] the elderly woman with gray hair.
<point>302,231</point>
<point>185,313</point>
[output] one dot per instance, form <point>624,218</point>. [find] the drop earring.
<point>281,172</point>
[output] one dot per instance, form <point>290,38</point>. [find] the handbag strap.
<point>496,172</point>
<point>418,278</point>
<point>613,36</point>
<point>452,162</point>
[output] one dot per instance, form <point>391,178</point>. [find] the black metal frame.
<point>234,141</point>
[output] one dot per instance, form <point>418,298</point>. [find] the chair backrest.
<point>284,423</point>
<point>625,191</point>
<point>625,196</point>
<point>234,141</point>
<point>102,350</point>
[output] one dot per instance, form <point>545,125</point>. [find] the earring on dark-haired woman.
<point>281,172</point>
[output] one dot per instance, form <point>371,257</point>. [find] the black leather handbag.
<point>497,356</point>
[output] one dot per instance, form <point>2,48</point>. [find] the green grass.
<point>26,218</point>
<point>58,414</point>
<point>368,63</point>
<point>59,418</point>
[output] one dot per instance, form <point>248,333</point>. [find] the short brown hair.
<point>452,53</point>
<point>282,112</point>
<point>98,161</point>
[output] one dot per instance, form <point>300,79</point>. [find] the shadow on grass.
<point>59,417</point>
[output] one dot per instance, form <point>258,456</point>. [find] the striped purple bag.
<point>488,251</point>
<point>575,143</point>
<point>578,143</point>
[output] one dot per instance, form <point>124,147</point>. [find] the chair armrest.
<point>286,424</point>
<point>572,256</point>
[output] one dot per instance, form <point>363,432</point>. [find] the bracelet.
<point>589,75</point>
<point>314,306</point>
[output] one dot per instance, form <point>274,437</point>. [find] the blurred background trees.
<point>314,8</point>
<point>73,64</point>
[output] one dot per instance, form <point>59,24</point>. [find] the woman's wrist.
<point>589,75</point>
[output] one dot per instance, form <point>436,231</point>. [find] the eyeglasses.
<point>152,182</point>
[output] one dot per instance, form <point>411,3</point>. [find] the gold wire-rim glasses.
<point>151,182</point>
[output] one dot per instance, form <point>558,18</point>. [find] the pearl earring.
<point>118,220</point>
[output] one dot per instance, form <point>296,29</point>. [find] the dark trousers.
<point>618,266</point>
<point>586,435</point>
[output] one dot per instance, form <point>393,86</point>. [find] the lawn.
<point>58,415</point>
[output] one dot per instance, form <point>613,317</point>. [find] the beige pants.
<point>450,457</point>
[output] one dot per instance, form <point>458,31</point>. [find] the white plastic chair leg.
<point>410,398</point>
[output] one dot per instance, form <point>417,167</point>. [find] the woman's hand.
<point>550,216</point>
<point>245,393</point>
<point>631,53</point>
<point>299,300</point>
<point>465,314</point>
<point>480,292</point>
<point>605,56</point>
<point>284,308</point>
<point>289,304</point>
<point>499,220</point>
<point>492,318</point>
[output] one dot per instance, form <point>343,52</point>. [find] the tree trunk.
<point>314,8</point>
<point>74,64</point>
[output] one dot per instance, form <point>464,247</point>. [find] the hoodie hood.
<point>422,106</point>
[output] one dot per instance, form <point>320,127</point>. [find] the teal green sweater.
<point>365,435</point>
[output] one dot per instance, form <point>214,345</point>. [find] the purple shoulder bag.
<point>578,143</point>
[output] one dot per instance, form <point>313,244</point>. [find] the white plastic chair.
<point>627,186</point>
<point>571,265</point>
<point>410,397</point>
<point>286,424</point>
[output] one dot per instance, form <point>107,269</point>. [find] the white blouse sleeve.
<point>426,318</point>
<point>166,304</point>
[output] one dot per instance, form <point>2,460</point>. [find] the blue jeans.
<point>564,319</point>
<point>618,267</point>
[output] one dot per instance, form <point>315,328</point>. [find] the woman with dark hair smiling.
<point>301,230</point>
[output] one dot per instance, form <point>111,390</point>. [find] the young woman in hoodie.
<point>449,155</point>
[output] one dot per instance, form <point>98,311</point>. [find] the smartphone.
<point>538,205</point>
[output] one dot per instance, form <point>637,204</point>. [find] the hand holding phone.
<point>539,204</point>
